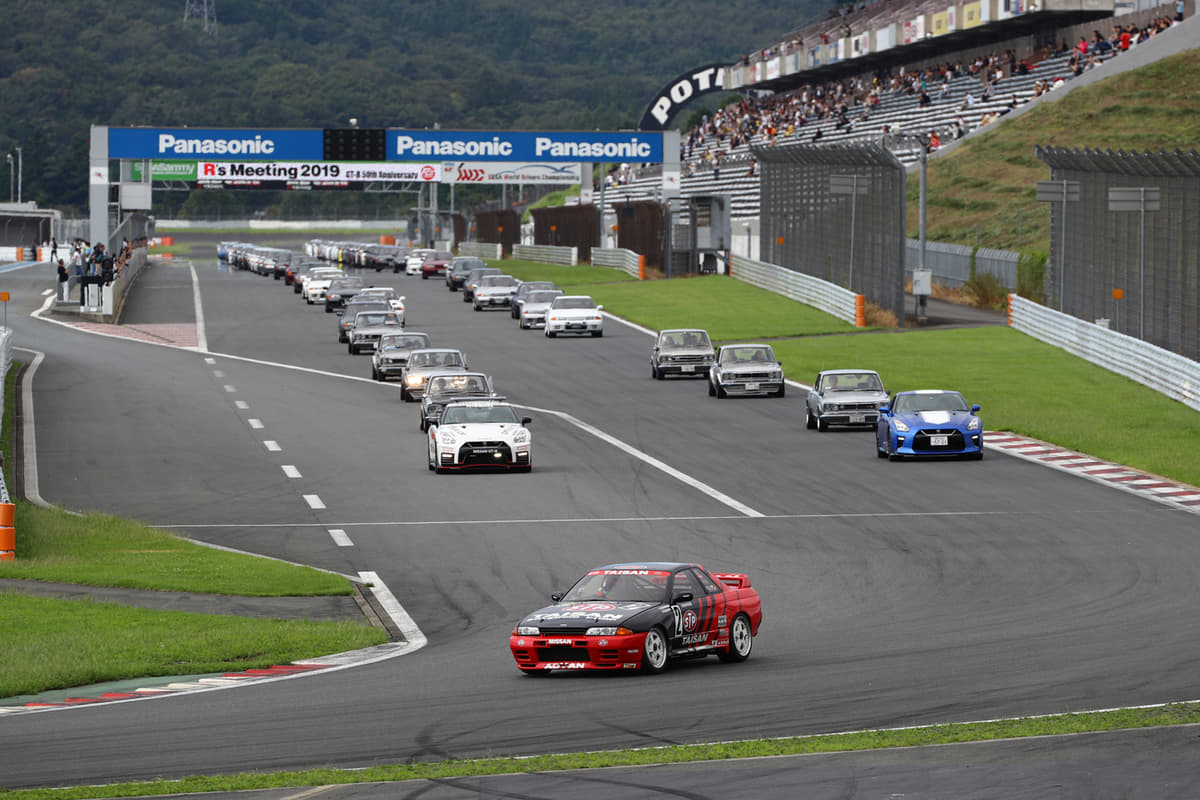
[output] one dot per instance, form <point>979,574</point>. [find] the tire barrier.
<point>8,534</point>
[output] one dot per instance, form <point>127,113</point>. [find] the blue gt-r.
<point>928,422</point>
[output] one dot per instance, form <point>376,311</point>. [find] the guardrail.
<point>1172,374</point>
<point>486,250</point>
<point>551,254</point>
<point>5,362</point>
<point>828,297</point>
<point>951,263</point>
<point>618,258</point>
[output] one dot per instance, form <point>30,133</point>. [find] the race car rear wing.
<point>734,579</point>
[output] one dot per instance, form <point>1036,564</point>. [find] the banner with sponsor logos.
<point>509,172</point>
<point>354,171</point>
<point>402,145</point>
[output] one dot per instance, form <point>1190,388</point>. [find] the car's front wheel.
<point>712,389</point>
<point>654,651</point>
<point>597,334</point>
<point>810,421</point>
<point>654,373</point>
<point>741,640</point>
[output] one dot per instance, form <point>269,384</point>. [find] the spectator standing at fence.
<point>64,278</point>
<point>53,249</point>
<point>77,261</point>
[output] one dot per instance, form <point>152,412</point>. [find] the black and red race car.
<point>640,616</point>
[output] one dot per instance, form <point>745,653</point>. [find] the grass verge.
<point>1172,714</point>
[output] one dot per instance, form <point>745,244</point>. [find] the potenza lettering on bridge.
<point>525,146</point>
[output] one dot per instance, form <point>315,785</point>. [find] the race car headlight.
<point>447,438</point>
<point>414,380</point>
<point>528,630</point>
<point>974,424</point>
<point>900,426</point>
<point>521,437</point>
<point>608,631</point>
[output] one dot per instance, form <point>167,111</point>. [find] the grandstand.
<point>961,83</point>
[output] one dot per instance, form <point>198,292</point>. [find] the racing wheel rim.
<point>654,651</point>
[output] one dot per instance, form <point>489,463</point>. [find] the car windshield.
<point>645,586</point>
<point>746,355</point>
<point>403,342</point>
<point>363,320</point>
<point>498,280</point>
<point>462,414</point>
<point>853,382</point>
<point>529,287</point>
<point>544,296</point>
<point>574,302</point>
<point>685,339</point>
<point>934,401</point>
<point>436,359</point>
<point>458,384</point>
<point>442,255</point>
<point>346,283</point>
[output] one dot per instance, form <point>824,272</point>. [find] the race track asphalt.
<point>895,594</point>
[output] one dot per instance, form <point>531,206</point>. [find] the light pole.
<point>20,171</point>
<point>10,176</point>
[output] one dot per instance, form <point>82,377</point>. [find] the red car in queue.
<point>640,616</point>
<point>436,264</point>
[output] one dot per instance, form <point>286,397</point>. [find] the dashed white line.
<point>229,388</point>
<point>291,471</point>
<point>314,501</point>
<point>272,445</point>
<point>340,538</point>
<point>210,361</point>
<point>257,424</point>
<point>241,404</point>
<point>218,373</point>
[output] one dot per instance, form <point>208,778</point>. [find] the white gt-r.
<point>574,314</point>
<point>480,433</point>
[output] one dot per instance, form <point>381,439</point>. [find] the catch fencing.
<point>836,212</point>
<point>1173,375</point>
<point>1126,247</point>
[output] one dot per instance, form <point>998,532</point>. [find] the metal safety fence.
<point>836,212</point>
<point>953,265</point>
<point>1173,375</point>
<point>1125,242</point>
<point>822,295</point>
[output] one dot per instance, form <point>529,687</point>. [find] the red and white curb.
<point>1152,487</point>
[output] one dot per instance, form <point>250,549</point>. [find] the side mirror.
<point>682,597</point>
<point>884,410</point>
<point>975,408</point>
<point>526,420</point>
<point>599,308</point>
<point>556,596</point>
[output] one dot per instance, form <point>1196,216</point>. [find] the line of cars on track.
<point>626,616</point>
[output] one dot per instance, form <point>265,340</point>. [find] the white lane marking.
<point>218,373</point>
<point>678,475</point>
<point>314,501</point>
<point>257,424</point>
<point>28,431</point>
<point>210,361</point>
<point>47,292</point>
<point>272,445</point>
<point>340,538</point>
<point>241,404</point>
<point>229,388</point>
<point>408,628</point>
<point>201,334</point>
<point>291,472</point>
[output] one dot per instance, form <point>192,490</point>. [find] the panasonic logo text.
<point>545,147</point>
<point>168,143</point>
<point>407,145</point>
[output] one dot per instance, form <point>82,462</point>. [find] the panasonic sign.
<point>284,144</point>
<point>169,144</point>
<point>683,89</point>
<point>525,146</point>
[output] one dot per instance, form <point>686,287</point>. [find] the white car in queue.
<point>388,295</point>
<point>574,313</point>
<point>480,433</point>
